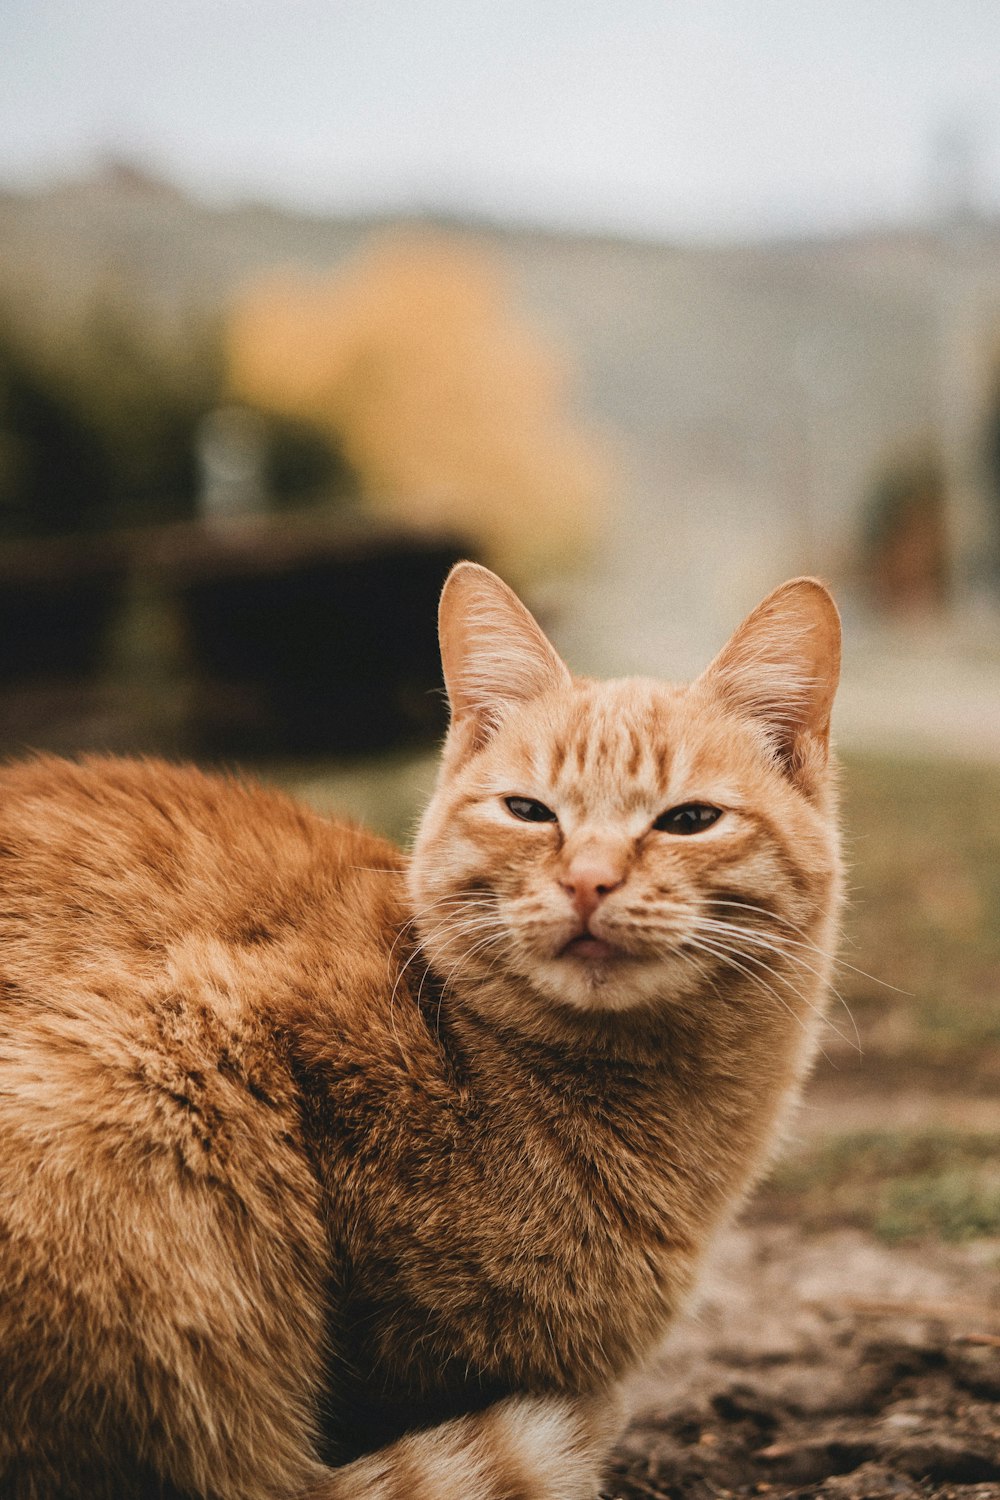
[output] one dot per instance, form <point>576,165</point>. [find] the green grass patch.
<point>923,848</point>
<point>386,793</point>
<point>900,1185</point>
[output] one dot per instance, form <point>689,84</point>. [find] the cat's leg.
<point>162,1271</point>
<point>524,1448</point>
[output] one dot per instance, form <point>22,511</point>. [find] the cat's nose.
<point>587,882</point>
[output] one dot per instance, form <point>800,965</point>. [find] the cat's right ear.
<point>781,668</point>
<point>493,653</point>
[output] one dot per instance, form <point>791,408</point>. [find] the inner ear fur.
<point>493,652</point>
<point>782,666</point>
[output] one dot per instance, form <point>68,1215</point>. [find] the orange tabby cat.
<point>327,1174</point>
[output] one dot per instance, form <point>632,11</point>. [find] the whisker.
<point>776,944</point>
<point>418,950</point>
<point>460,901</point>
<point>792,927</point>
<point>470,917</point>
<point>477,949</point>
<point>733,956</point>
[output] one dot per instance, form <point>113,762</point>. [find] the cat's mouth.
<point>593,949</point>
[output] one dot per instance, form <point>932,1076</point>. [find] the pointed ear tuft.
<point>493,652</point>
<point>781,668</point>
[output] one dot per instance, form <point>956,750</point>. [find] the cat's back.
<point>115,856</point>
<point>162,932</point>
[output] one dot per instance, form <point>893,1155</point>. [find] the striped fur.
<point>327,1173</point>
<point>521,1449</point>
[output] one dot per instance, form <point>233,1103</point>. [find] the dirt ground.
<point>827,1362</point>
<point>828,1365</point>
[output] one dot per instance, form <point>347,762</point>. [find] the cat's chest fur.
<point>503,1216</point>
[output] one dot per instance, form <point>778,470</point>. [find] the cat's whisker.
<point>779,945</point>
<point>772,917</point>
<point>768,912</point>
<point>469,953</point>
<point>854,1042</point>
<point>733,956</point>
<point>446,983</point>
<point>480,947</point>
<point>775,943</point>
<point>418,951</point>
<point>761,983</point>
<point>458,900</point>
<point>471,915</point>
<point>460,924</point>
<point>461,902</point>
<point>809,942</point>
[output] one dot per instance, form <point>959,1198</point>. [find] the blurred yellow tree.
<point>451,411</point>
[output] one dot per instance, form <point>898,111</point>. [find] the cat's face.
<point>605,844</point>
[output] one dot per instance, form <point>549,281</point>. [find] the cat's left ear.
<point>493,653</point>
<point>781,669</point>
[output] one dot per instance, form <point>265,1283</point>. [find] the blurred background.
<point>648,306</point>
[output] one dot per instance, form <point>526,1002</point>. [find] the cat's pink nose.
<point>587,882</point>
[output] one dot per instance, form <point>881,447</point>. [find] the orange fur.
<point>329,1174</point>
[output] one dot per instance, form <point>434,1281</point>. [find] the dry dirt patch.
<point>826,1365</point>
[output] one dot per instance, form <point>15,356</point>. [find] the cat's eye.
<point>530,811</point>
<point>689,817</point>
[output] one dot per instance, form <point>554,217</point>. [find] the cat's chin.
<point>589,974</point>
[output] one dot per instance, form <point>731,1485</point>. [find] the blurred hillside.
<point>761,398</point>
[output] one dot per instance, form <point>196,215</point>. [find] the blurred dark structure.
<point>55,476</point>
<point>304,635</point>
<point>307,642</point>
<point>905,545</point>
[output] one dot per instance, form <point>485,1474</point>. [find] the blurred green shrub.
<point>98,418</point>
<point>145,397</point>
<point>55,473</point>
<point>900,1184</point>
<point>102,415</point>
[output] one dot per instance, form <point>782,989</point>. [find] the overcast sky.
<point>676,117</point>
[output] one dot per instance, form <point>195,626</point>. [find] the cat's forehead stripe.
<point>636,751</point>
<point>678,766</point>
<point>557,756</point>
<point>608,742</point>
